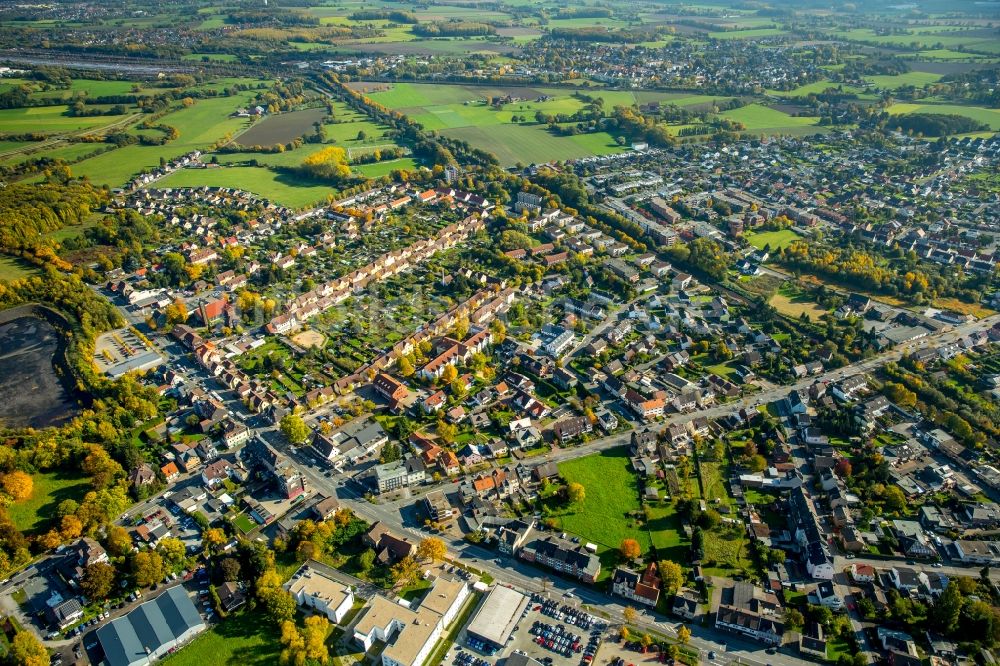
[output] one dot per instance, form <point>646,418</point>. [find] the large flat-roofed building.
<point>410,634</point>
<point>312,588</point>
<point>496,618</point>
<point>151,630</point>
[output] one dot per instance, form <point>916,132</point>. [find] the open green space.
<point>245,639</point>
<point>982,114</point>
<point>750,33</point>
<point>282,189</point>
<point>200,125</point>
<point>48,120</point>
<point>917,79</point>
<point>606,516</point>
<point>789,301</point>
<point>773,239</point>
<point>533,143</point>
<point>757,117</point>
<point>14,268</point>
<point>50,488</point>
<point>814,88</point>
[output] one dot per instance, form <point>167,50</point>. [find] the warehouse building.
<point>495,620</point>
<point>151,630</point>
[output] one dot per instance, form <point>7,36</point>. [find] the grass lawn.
<point>666,532</point>
<point>776,239</point>
<point>791,303</point>
<point>814,88</point>
<point>50,489</point>
<point>246,639</point>
<point>14,268</point>
<point>757,117</point>
<point>259,180</point>
<point>605,516</point>
<point>244,522</point>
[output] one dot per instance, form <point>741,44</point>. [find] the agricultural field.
<point>917,79</point>
<point>760,118</point>
<point>982,114</point>
<point>281,128</point>
<point>51,488</point>
<point>814,89</point>
<point>49,120</point>
<point>928,37</point>
<point>749,33</point>
<point>282,189</point>
<point>200,125</point>
<point>460,112</point>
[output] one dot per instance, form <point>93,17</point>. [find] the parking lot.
<point>550,631</point>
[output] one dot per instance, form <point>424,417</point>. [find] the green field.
<point>775,239</point>
<point>199,126</point>
<point>13,268</point>
<point>48,120</point>
<point>982,114</point>
<point>279,188</point>
<point>604,518</point>
<point>50,488</point>
<point>750,33</point>
<point>460,112</point>
<point>65,151</point>
<point>791,303</point>
<point>379,169</point>
<point>916,79</point>
<point>814,88</point>
<point>245,639</point>
<point>533,143</point>
<point>927,38</point>
<point>757,117</point>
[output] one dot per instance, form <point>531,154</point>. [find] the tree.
<point>646,640</point>
<point>449,374</point>
<point>173,552</point>
<point>630,549</point>
<point>279,604</point>
<point>27,650</point>
<point>213,539</point>
<point>684,635</point>
<point>625,633</point>
<point>432,549</point>
<point>101,467</point>
<point>147,568</point>
<point>757,463</point>
<point>673,652</point>
<point>405,571</point>
<point>671,576</point>
<point>843,468</point>
<point>366,560</point>
<point>499,330</point>
<point>576,493</point>
<point>230,568</point>
<point>793,619</point>
<point>18,485</point>
<point>327,164</point>
<point>118,541</point>
<point>176,312</point>
<point>294,428</point>
<point>895,500</point>
<point>944,613</point>
<point>295,644</point>
<point>97,581</point>
<point>314,634</point>
<point>406,368</point>
<point>630,615</point>
<point>70,527</point>
<point>447,431</point>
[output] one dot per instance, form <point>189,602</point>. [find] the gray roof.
<point>153,625</point>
